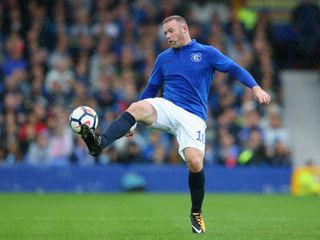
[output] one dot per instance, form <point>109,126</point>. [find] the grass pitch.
<point>156,216</point>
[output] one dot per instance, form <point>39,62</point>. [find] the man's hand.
<point>260,95</point>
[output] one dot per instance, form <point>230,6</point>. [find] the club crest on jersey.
<point>196,57</point>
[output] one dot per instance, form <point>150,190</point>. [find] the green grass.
<point>156,216</point>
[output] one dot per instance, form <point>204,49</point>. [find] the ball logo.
<point>87,123</point>
<point>196,57</point>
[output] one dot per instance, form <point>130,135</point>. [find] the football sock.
<point>117,129</point>
<point>196,185</point>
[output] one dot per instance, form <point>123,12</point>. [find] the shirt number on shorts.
<point>200,136</point>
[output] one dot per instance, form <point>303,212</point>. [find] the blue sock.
<point>117,129</point>
<point>196,186</point>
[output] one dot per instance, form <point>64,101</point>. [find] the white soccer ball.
<point>83,115</point>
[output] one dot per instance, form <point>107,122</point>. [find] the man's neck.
<point>188,40</point>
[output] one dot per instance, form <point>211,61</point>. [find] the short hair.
<point>175,17</point>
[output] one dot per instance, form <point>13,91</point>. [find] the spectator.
<point>227,150</point>
<point>155,151</point>
<point>61,140</point>
<point>60,52</point>
<point>280,156</point>
<point>100,53</point>
<point>38,151</point>
<point>132,155</point>
<point>254,151</point>
<point>275,132</point>
<point>252,123</point>
<point>29,130</point>
<point>59,80</point>
<point>102,62</point>
<point>14,59</point>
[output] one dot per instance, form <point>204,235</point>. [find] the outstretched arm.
<point>238,72</point>
<point>150,91</point>
<point>224,64</point>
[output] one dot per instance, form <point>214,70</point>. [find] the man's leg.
<point>117,129</point>
<point>194,158</point>
<point>141,111</point>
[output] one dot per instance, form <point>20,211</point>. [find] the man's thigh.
<point>188,128</point>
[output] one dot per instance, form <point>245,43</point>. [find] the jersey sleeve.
<point>150,91</point>
<point>238,72</point>
<point>156,76</point>
<point>225,64</point>
<point>218,60</point>
<point>154,83</point>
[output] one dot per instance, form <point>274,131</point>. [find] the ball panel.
<point>90,110</point>
<point>75,125</point>
<point>88,120</point>
<point>78,112</point>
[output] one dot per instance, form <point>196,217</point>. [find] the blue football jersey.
<point>186,74</point>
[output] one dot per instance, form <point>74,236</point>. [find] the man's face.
<point>175,33</point>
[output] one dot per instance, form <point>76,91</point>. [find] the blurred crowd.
<point>57,55</point>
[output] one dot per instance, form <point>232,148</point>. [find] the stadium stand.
<point>57,55</point>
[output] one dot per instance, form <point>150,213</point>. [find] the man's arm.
<point>238,72</point>
<point>154,82</point>
<point>150,91</point>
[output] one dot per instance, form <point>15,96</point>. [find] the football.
<point>83,115</point>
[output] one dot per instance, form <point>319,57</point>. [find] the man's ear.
<point>185,28</point>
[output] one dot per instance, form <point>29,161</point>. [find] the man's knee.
<point>143,112</point>
<point>195,164</point>
<point>194,158</point>
<point>134,109</point>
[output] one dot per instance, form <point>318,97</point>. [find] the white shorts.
<point>188,128</point>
